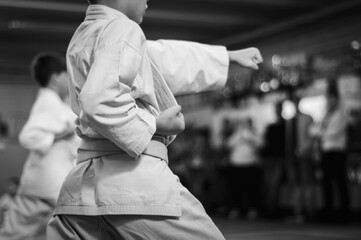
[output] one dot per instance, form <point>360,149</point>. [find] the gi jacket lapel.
<point>164,96</point>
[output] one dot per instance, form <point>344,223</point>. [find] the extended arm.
<point>194,67</point>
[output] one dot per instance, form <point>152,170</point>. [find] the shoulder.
<point>121,30</point>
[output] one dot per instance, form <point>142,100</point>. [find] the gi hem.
<point>119,210</point>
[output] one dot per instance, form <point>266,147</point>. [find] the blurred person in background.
<point>301,163</point>
<point>332,133</point>
<point>221,182</point>
<point>245,173</point>
<point>8,197</point>
<point>49,134</point>
<point>200,165</point>
<point>273,160</point>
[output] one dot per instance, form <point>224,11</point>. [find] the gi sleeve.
<point>106,100</point>
<point>190,67</point>
<point>36,138</point>
<point>45,126</point>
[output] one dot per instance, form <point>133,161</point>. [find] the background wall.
<point>15,102</point>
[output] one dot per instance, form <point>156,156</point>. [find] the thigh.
<point>194,224</point>
<point>26,219</point>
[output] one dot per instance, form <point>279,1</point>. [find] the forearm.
<point>189,66</point>
<point>36,139</point>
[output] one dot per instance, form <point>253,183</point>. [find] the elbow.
<point>21,139</point>
<point>25,139</point>
<point>36,141</point>
<point>88,106</point>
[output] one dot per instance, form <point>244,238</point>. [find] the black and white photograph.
<point>180,120</point>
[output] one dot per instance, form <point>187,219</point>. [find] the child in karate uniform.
<point>49,134</point>
<point>122,89</point>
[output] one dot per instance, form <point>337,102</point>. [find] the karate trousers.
<point>194,224</point>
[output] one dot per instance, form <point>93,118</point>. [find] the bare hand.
<point>248,57</point>
<point>170,122</point>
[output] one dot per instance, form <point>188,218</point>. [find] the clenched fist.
<point>170,121</point>
<point>248,57</point>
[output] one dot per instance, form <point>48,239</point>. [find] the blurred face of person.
<point>59,83</point>
<point>63,82</point>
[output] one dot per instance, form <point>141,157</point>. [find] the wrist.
<point>159,138</point>
<point>230,55</point>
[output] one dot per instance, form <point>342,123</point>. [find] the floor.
<point>281,230</point>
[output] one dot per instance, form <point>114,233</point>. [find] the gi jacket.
<point>119,83</point>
